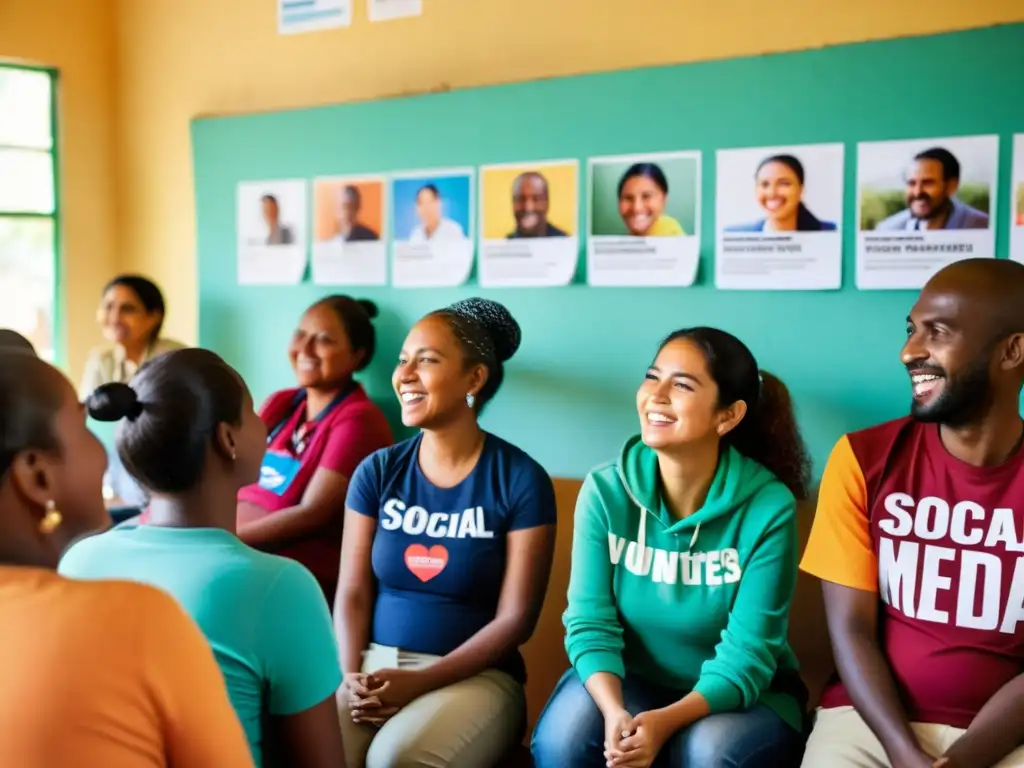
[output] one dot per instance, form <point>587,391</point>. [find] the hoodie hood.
<point>736,481</point>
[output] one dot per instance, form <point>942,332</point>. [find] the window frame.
<point>58,291</point>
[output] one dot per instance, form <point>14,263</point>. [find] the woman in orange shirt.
<point>107,673</point>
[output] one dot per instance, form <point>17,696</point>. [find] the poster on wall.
<point>350,236</point>
<point>643,220</point>
<point>778,214</point>
<point>388,10</point>
<point>528,223</point>
<point>271,232</point>
<point>1017,200</point>
<point>432,227</point>
<point>299,16</point>
<point>921,205</point>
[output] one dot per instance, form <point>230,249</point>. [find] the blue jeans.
<point>570,732</point>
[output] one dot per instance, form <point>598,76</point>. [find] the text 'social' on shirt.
<point>439,554</point>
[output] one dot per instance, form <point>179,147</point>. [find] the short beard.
<point>967,397</point>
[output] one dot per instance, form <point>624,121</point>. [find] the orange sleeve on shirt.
<point>839,549</point>
<point>201,727</point>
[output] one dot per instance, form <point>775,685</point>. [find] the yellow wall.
<point>176,59</point>
<point>77,37</point>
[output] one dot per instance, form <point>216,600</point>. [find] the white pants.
<point>841,739</point>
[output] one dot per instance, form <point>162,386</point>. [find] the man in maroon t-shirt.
<point>919,542</point>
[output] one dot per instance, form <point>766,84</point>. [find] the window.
<point>28,206</point>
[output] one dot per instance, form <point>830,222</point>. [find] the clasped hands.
<point>375,697</point>
<point>634,742</point>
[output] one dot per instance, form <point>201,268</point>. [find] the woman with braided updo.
<point>445,560</point>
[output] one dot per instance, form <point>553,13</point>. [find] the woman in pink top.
<point>318,434</point>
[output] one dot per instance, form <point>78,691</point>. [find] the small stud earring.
<point>51,520</point>
<point>470,399</point>
<point>234,455</point>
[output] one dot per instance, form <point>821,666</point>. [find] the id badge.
<point>278,471</point>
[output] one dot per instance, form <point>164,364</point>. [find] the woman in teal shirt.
<point>684,563</point>
<point>189,434</point>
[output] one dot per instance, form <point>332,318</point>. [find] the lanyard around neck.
<point>299,401</point>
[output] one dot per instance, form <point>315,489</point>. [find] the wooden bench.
<point>545,653</point>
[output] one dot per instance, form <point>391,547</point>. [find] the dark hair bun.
<point>368,307</point>
<point>496,321</point>
<point>113,402</point>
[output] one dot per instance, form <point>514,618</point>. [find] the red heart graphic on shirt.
<point>426,563</point>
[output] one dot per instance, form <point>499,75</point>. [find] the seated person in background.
<point>918,539</point>
<point>445,560</point>
<point>318,435</point>
<point>191,437</point>
<point>107,674</point>
<point>131,313</point>
<point>684,564</point>
<point>12,340</point>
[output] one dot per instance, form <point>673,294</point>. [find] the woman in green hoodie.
<point>684,563</point>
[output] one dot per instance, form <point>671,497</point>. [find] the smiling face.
<point>124,318</point>
<point>320,351</point>
<point>428,209</point>
<point>530,204</point>
<point>431,378</point>
<point>950,357</point>
<point>641,202</point>
<point>778,191</point>
<point>678,400</point>
<point>928,191</point>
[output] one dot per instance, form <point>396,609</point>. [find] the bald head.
<point>992,288</point>
<point>13,341</point>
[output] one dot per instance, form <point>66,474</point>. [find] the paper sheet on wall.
<point>432,232</point>
<point>349,231</point>
<point>388,10</point>
<point>779,214</point>
<point>298,16</point>
<point>271,232</point>
<point>923,204</point>
<point>529,215</point>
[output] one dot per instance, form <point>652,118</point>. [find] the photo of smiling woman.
<point>787,235</point>
<point>643,193</point>
<point>778,190</point>
<point>644,219</point>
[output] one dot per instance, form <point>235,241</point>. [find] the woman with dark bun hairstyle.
<point>445,560</point>
<point>188,433</point>
<point>318,434</point>
<point>684,562</point>
<point>106,673</point>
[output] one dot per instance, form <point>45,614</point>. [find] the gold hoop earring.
<point>51,520</point>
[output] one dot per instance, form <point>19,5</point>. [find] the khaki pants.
<point>841,739</point>
<point>471,724</point>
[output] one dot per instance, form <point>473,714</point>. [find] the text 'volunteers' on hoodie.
<point>700,603</point>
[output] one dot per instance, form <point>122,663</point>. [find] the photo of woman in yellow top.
<point>643,194</point>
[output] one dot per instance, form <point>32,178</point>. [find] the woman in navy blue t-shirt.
<point>445,559</point>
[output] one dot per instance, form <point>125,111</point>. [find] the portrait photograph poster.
<point>349,231</point>
<point>432,227</point>
<point>779,214</point>
<point>643,219</point>
<point>1017,200</point>
<point>528,224</point>
<point>921,205</point>
<point>271,232</point>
